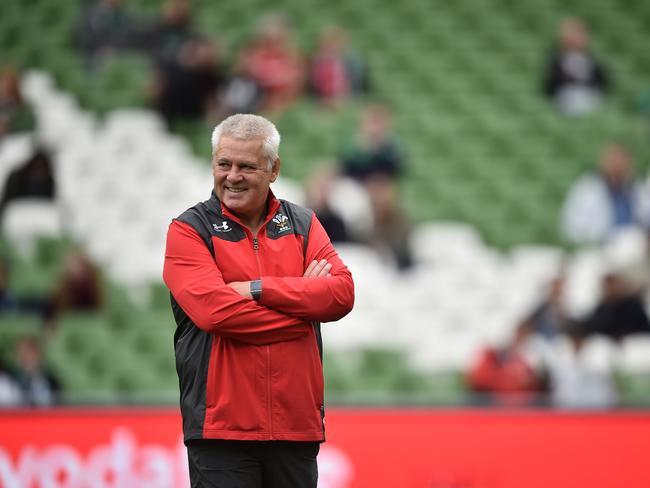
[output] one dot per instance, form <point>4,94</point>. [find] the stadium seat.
<point>26,220</point>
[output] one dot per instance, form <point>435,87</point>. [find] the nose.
<point>234,174</point>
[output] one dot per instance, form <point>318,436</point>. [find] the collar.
<point>272,206</point>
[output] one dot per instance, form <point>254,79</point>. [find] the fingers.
<point>326,270</point>
<point>241,287</point>
<point>310,268</point>
<point>317,269</point>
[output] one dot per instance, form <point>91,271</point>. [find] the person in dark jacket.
<point>375,160</point>
<point>185,87</point>
<point>164,39</point>
<point>34,179</point>
<point>38,385</point>
<point>317,190</point>
<point>575,80</point>
<point>105,26</point>
<point>374,151</point>
<point>251,277</point>
<point>620,311</point>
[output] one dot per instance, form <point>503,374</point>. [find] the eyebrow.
<point>241,163</point>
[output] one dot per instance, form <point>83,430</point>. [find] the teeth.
<point>235,190</point>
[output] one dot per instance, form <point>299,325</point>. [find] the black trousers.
<point>252,464</point>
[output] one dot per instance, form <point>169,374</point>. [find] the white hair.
<point>249,126</point>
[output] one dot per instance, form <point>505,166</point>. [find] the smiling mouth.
<point>235,190</point>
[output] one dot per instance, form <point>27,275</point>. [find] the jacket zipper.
<point>256,248</point>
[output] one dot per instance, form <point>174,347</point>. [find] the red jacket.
<point>252,370</point>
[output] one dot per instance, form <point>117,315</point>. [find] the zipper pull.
<point>255,244</point>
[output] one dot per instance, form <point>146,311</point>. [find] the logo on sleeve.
<point>281,223</point>
<point>224,227</point>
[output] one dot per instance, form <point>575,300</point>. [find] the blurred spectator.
<point>32,180</point>
<point>550,319</point>
<point>374,151</point>
<point>318,188</point>
<point>241,94</point>
<point>274,61</point>
<point>104,26</point>
<point>506,375</point>
<point>581,371</point>
<point>15,115</point>
<point>39,386</point>
<point>79,287</point>
<point>184,87</point>
<point>336,71</point>
<point>599,204</point>
<point>374,160</point>
<point>165,39</point>
<point>620,312</point>
<point>10,394</point>
<point>391,226</point>
<point>575,81</point>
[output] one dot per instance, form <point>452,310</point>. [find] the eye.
<point>223,165</point>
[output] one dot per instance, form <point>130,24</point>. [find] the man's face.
<point>574,36</point>
<point>242,177</point>
<point>616,165</point>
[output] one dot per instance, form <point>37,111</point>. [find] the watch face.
<point>256,289</point>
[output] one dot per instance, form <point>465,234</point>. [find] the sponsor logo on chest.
<point>223,227</point>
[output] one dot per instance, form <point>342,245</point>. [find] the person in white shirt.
<point>598,204</point>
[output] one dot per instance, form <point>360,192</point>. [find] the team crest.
<point>281,223</point>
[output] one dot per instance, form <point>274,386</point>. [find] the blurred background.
<point>482,167</point>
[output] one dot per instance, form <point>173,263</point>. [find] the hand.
<point>241,287</point>
<point>318,269</point>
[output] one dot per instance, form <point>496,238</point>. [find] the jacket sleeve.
<point>322,299</point>
<point>197,284</point>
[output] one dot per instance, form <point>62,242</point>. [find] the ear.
<point>275,170</point>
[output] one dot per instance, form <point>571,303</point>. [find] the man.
<point>251,277</point>
<point>600,204</point>
<point>38,386</point>
<point>575,80</point>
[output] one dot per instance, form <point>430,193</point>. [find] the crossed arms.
<point>286,306</point>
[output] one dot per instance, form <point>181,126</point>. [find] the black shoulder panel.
<point>207,219</point>
<point>197,220</point>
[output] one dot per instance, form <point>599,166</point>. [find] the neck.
<point>254,223</point>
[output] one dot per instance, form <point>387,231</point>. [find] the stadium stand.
<point>489,164</point>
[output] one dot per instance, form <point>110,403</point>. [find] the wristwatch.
<point>256,289</point>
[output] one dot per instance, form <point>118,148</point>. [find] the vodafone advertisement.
<point>142,448</point>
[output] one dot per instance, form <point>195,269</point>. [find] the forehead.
<point>239,149</point>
